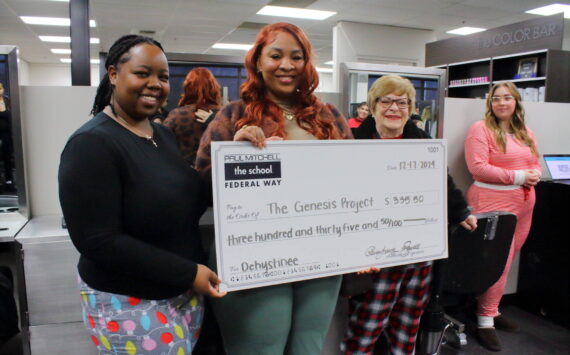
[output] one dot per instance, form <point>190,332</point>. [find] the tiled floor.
<point>538,336</point>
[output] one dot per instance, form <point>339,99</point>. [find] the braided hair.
<point>115,58</point>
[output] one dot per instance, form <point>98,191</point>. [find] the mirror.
<point>13,198</point>
<point>357,78</point>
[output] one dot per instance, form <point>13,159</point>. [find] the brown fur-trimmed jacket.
<point>188,131</point>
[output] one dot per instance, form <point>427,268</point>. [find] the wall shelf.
<point>540,78</point>
<point>552,70</point>
<point>467,85</point>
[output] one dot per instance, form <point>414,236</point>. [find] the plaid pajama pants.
<point>395,304</point>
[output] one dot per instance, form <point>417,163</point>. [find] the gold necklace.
<point>290,116</point>
<point>287,112</point>
<point>130,127</point>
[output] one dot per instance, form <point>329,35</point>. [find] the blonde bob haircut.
<point>391,85</point>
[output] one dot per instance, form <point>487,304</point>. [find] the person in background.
<point>198,105</point>
<point>417,120</point>
<point>361,113</point>
<point>6,144</point>
<point>399,294</point>
<point>140,267</point>
<point>278,102</point>
<point>502,155</point>
<point>160,115</point>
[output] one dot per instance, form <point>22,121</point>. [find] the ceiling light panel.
<point>465,31</point>
<point>551,10</point>
<point>61,50</point>
<point>68,60</point>
<point>51,21</point>
<point>293,12</point>
<point>243,47</point>
<point>64,39</point>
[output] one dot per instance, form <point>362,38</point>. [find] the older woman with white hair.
<point>399,294</point>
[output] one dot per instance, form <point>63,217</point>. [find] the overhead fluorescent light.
<point>281,11</point>
<point>68,60</point>
<point>324,70</point>
<point>51,21</point>
<point>330,62</point>
<point>60,0</point>
<point>466,30</point>
<point>64,39</point>
<point>551,10</point>
<point>60,51</point>
<point>243,47</point>
<point>57,39</point>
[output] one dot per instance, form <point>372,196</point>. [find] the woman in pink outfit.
<point>502,156</point>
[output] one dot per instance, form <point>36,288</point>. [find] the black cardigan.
<point>132,210</point>
<point>457,209</point>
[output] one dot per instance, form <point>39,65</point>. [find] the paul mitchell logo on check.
<point>252,170</point>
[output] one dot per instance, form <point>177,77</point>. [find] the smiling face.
<point>503,103</point>
<point>281,65</point>
<point>140,83</point>
<point>391,112</point>
<point>362,112</point>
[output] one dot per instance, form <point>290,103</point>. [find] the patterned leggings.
<point>395,304</point>
<point>121,324</point>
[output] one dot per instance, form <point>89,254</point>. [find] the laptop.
<point>558,166</point>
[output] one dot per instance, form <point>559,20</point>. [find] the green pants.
<point>291,318</point>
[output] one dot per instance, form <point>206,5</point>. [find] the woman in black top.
<point>132,206</point>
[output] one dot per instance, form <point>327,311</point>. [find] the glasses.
<point>387,102</point>
<point>498,99</point>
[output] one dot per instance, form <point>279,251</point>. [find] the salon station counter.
<point>53,304</point>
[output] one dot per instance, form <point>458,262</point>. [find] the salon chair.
<point>476,261</point>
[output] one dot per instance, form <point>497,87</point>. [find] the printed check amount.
<point>299,210</point>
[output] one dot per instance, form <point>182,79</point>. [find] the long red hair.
<point>201,89</point>
<point>259,107</point>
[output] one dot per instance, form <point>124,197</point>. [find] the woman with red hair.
<point>277,102</point>
<point>198,105</point>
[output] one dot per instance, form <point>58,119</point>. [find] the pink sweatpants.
<point>513,201</point>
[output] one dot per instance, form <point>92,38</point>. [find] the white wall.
<point>23,72</point>
<point>566,35</point>
<point>379,44</point>
<point>549,121</point>
<point>325,82</point>
<point>56,74</point>
<point>50,114</point>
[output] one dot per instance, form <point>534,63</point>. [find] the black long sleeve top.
<point>457,209</point>
<point>132,210</point>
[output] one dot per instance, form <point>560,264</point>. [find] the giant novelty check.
<point>298,210</point>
